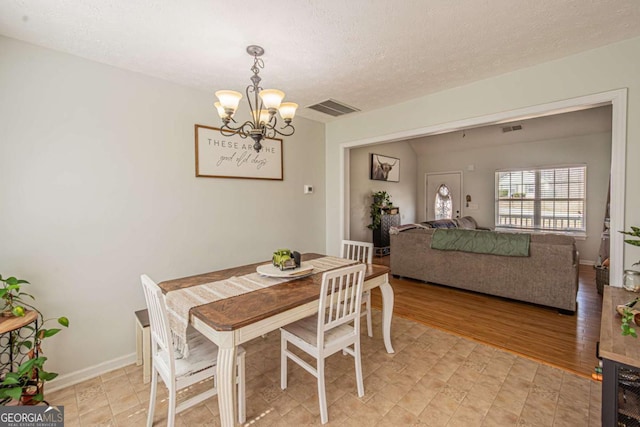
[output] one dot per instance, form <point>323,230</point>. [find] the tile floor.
<point>433,379</point>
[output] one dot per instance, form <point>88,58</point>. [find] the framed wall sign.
<point>384,168</point>
<point>219,156</point>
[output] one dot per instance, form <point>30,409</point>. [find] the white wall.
<point>403,193</point>
<point>98,186</point>
<point>592,150</point>
<point>608,68</point>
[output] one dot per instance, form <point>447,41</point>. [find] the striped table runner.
<point>181,301</point>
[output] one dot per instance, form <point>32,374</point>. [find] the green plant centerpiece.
<point>629,315</point>
<point>381,201</point>
<point>284,259</point>
<point>24,377</point>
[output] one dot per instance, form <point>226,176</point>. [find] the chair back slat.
<point>357,251</point>
<point>158,318</point>
<point>340,298</point>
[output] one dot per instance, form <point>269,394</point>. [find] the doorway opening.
<point>617,99</point>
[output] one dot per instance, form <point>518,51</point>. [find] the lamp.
<point>264,105</point>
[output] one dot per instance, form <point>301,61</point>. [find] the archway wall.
<point>605,69</point>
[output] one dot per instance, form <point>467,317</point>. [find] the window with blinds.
<point>551,199</point>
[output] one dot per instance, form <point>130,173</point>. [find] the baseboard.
<point>587,262</point>
<point>73,378</point>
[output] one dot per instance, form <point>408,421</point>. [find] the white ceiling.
<point>365,53</point>
<point>577,123</point>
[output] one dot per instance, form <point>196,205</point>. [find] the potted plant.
<point>26,382</point>
<point>381,202</point>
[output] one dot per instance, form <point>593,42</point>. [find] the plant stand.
<point>11,329</point>
<point>381,238</point>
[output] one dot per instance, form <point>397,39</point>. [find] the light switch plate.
<point>308,189</point>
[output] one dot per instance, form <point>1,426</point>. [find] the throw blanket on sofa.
<point>481,242</point>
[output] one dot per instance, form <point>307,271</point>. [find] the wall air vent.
<point>511,128</point>
<point>333,108</point>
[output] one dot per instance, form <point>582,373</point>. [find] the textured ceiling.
<point>566,125</point>
<point>365,53</point>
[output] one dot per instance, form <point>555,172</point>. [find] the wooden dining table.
<point>233,321</point>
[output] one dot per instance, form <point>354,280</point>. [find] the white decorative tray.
<point>271,270</point>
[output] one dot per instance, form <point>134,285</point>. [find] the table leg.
<point>387,313</point>
<point>226,370</point>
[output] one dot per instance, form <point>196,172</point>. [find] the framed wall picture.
<point>219,156</point>
<point>384,168</point>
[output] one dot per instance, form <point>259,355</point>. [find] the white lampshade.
<point>220,109</point>
<point>287,110</point>
<point>271,98</point>
<point>264,116</point>
<point>229,99</point>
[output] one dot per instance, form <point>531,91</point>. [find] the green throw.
<point>481,242</point>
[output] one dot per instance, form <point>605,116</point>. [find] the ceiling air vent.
<point>333,108</point>
<point>511,128</point>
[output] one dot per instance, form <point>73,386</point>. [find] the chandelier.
<point>264,103</point>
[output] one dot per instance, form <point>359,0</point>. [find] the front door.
<point>453,183</point>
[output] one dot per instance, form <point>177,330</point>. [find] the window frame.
<point>537,201</point>
<point>445,199</point>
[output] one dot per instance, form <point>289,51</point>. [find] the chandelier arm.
<point>239,130</point>
<point>286,133</point>
<point>286,130</point>
<point>268,132</point>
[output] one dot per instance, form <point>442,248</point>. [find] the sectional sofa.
<point>547,276</point>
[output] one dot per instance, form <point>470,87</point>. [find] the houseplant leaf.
<point>46,333</point>
<point>27,366</point>
<point>11,381</point>
<point>15,392</point>
<point>47,376</point>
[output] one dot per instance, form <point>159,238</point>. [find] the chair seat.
<point>203,354</point>
<point>307,330</point>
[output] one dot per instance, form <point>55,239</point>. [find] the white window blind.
<point>542,199</point>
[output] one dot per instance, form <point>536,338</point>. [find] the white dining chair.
<point>336,327</point>
<point>177,373</point>
<point>363,252</point>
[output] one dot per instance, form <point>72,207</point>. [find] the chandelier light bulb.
<point>287,110</point>
<point>220,109</point>
<point>229,99</point>
<point>264,117</point>
<point>271,98</point>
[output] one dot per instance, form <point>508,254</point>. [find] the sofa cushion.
<point>466,222</point>
<point>441,223</point>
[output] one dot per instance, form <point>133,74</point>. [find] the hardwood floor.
<point>539,333</point>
